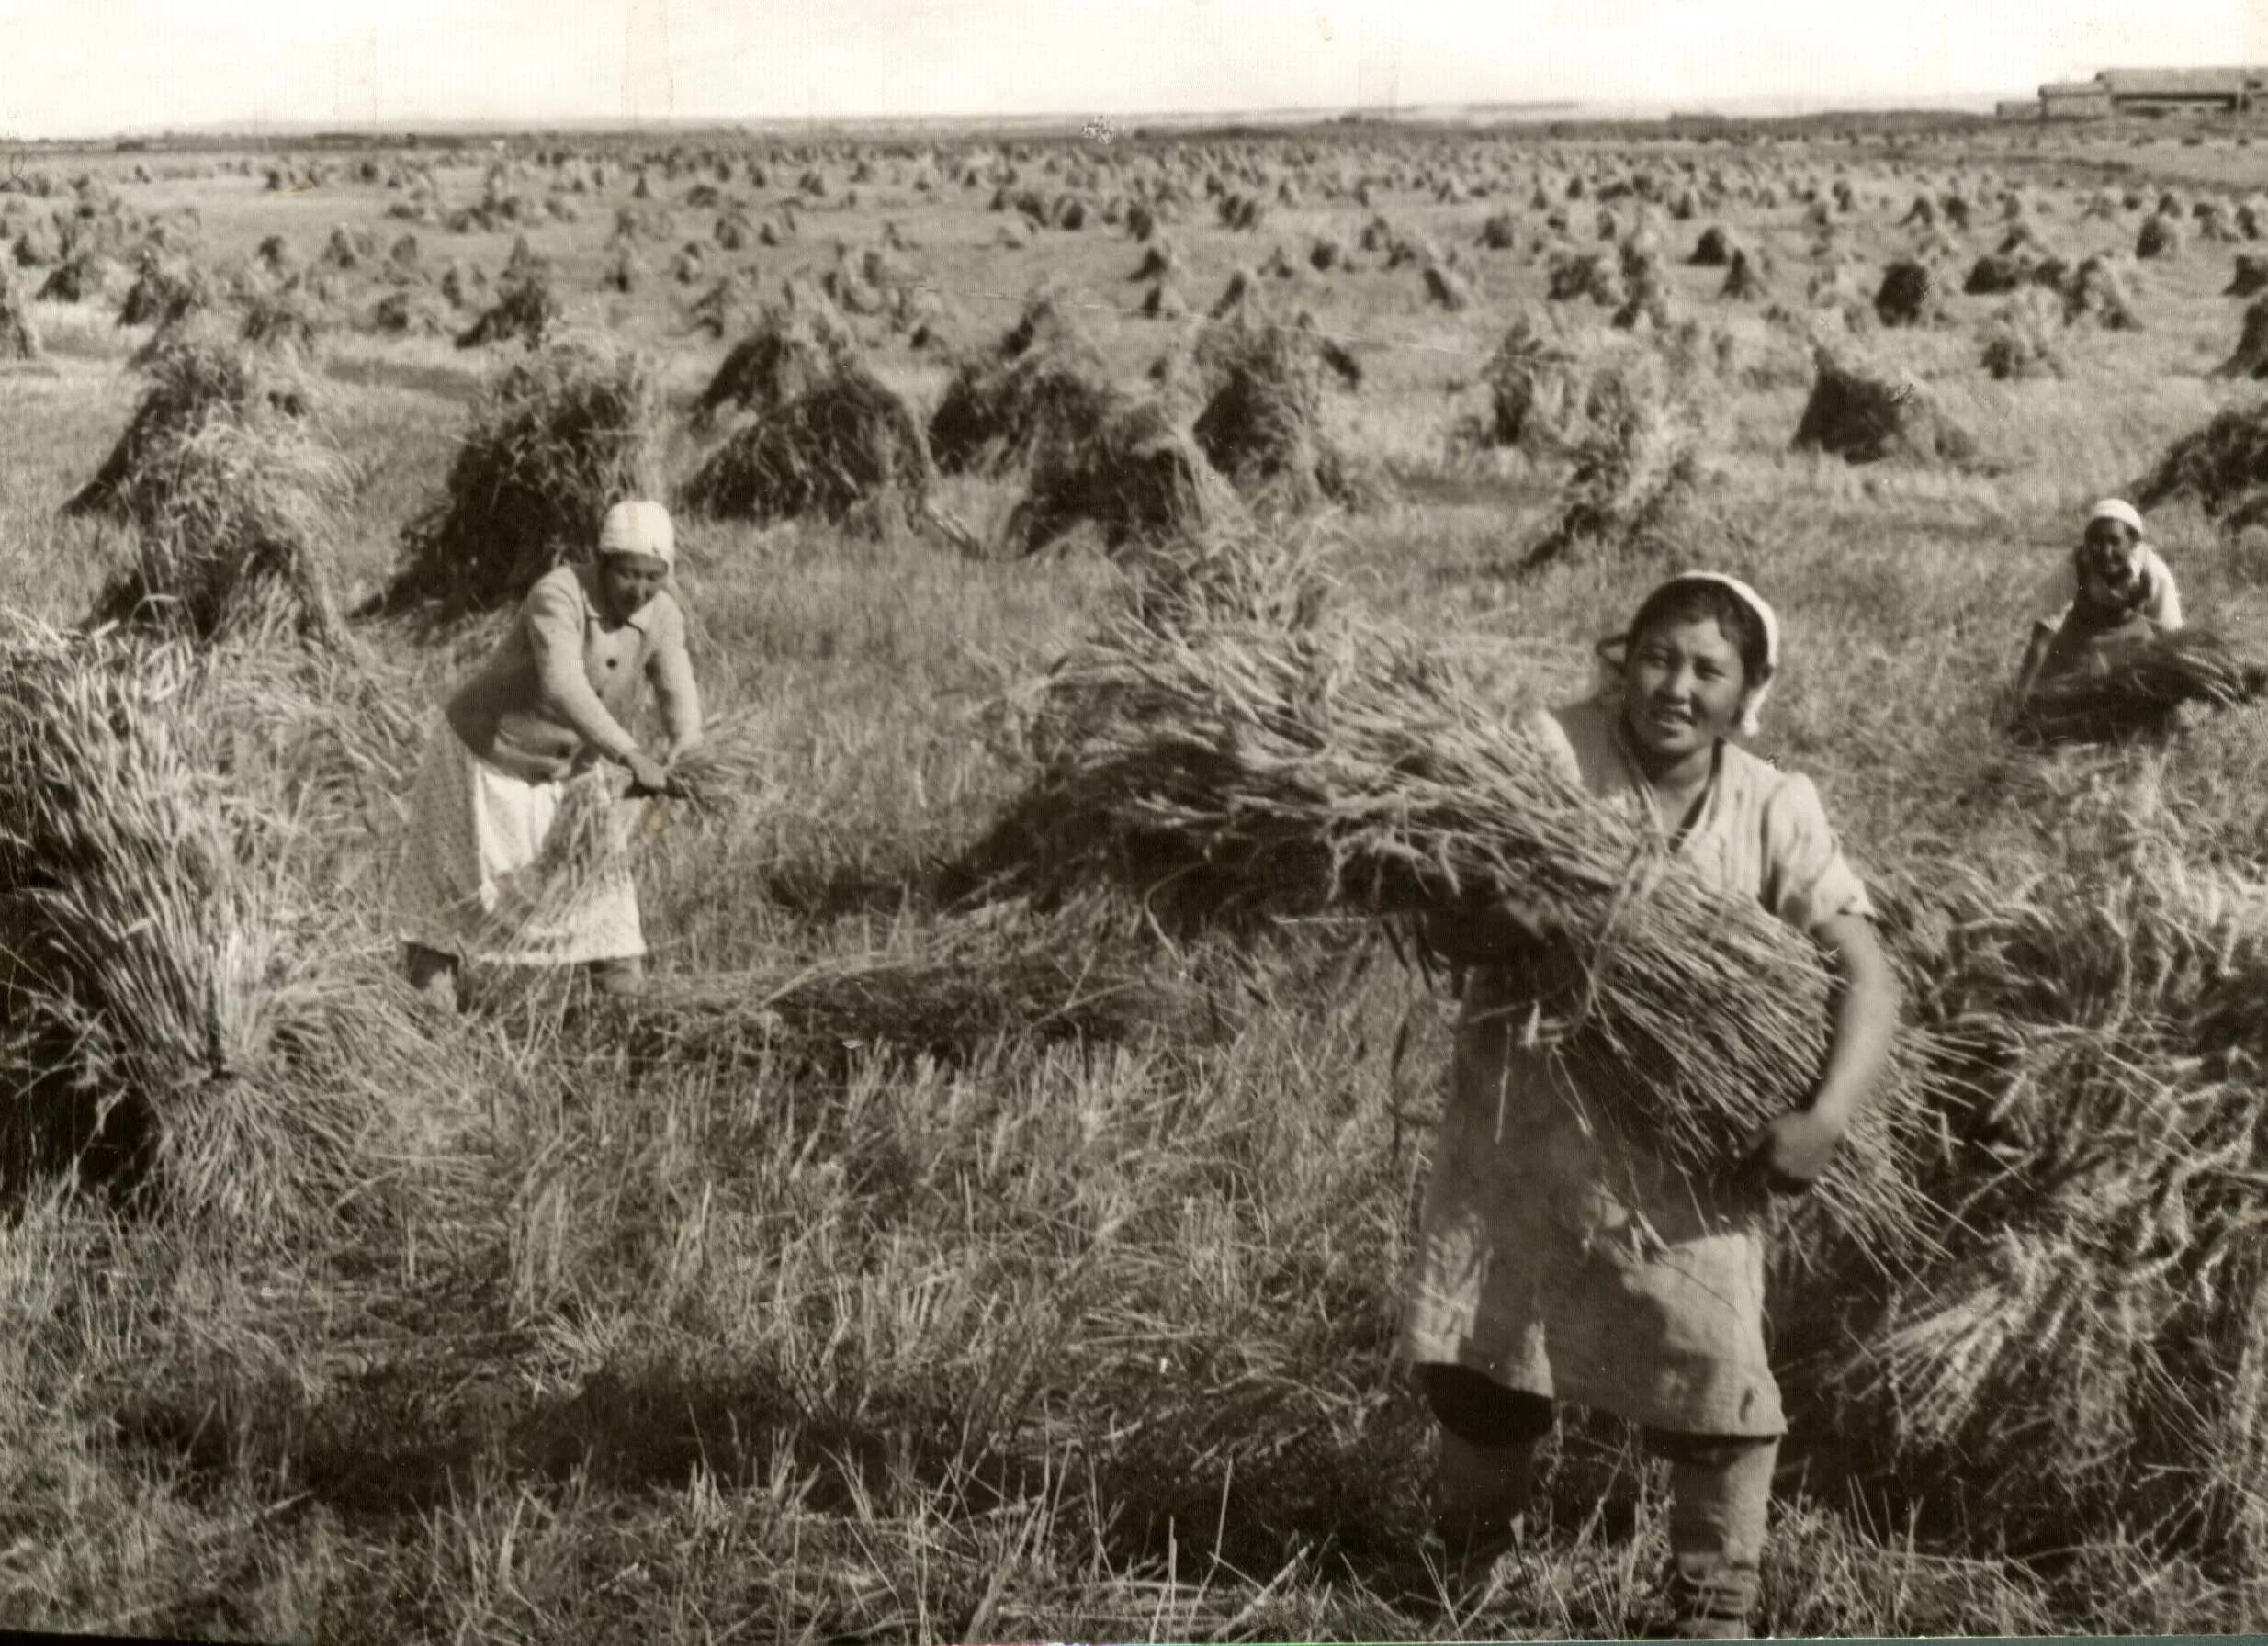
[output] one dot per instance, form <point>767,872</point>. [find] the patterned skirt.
<point>498,870</point>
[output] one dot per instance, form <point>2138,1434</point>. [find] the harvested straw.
<point>1261,423</point>
<point>1237,772</point>
<point>2023,342</point>
<point>1045,380</point>
<point>2097,292</point>
<point>848,449</point>
<point>18,340</point>
<point>233,501</point>
<point>724,307</point>
<point>2222,467</point>
<point>2250,358</point>
<point>1746,280</point>
<point>82,274</point>
<point>1531,380</point>
<point>527,310</point>
<point>412,312</point>
<point>556,440</point>
<point>2084,1349</point>
<point>2161,237</point>
<point>796,347</point>
<point>289,320</point>
<point>979,980</point>
<point>1862,418</point>
<point>170,1023</point>
<point>2136,690</point>
<point>166,291</point>
<point>1139,479</point>
<point>1634,466</point>
<point>1909,295</point>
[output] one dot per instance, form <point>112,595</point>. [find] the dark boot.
<point>1720,1491</point>
<point>1480,1498</point>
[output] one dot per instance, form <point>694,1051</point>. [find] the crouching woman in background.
<point>2113,590</point>
<point>521,745</point>
<point>1558,1260</point>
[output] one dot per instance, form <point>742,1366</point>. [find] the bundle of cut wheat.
<point>1632,464</point>
<point>1260,421</point>
<point>1042,380</point>
<point>18,340</point>
<point>725,768</point>
<point>2137,689</point>
<point>234,502</point>
<point>2086,1345</point>
<point>795,347</point>
<point>848,449</point>
<point>555,440</point>
<point>1863,417</point>
<point>1531,379</point>
<point>1138,478</point>
<point>527,310</point>
<point>1236,772</point>
<point>175,1018</point>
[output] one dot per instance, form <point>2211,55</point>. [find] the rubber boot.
<point>1721,1492</point>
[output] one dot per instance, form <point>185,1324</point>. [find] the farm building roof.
<point>2074,88</point>
<point>2182,82</point>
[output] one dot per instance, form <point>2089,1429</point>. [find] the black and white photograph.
<point>851,821</point>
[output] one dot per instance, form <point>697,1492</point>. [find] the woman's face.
<point>1683,686</point>
<point>628,582</point>
<point>2106,561</point>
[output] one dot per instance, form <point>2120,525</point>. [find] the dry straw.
<point>1043,381</point>
<point>178,1017</point>
<point>1236,772</point>
<point>2085,1337</point>
<point>556,440</point>
<point>2139,689</point>
<point>995,976</point>
<point>235,500</point>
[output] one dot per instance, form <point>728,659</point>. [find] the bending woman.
<point>529,730</point>
<point>1559,1261</point>
<point>2114,589</point>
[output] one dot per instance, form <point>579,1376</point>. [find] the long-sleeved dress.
<point>513,766</point>
<point>1561,1258</point>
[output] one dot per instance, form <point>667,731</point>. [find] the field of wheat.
<point>936,1255</point>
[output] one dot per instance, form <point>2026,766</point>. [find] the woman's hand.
<point>647,775</point>
<point>1792,1151</point>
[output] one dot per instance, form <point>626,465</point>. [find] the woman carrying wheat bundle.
<point>518,846</point>
<point>1559,1259</point>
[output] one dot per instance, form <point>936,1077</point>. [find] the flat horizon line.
<point>1634,110</point>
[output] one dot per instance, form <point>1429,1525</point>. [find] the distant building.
<point>2075,100</point>
<point>2150,93</point>
<point>2028,109</point>
<point>2170,91</point>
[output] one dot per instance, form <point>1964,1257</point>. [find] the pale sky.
<point>79,67</point>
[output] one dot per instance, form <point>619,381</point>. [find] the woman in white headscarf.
<point>2112,590</point>
<point>518,760</point>
<point>1560,1261</point>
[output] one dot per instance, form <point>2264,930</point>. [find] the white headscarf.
<point>639,526</point>
<point>2118,509</point>
<point>1610,672</point>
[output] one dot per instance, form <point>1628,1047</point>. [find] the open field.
<point>569,1335</point>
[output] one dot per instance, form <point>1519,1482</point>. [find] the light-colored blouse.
<point>1560,1256</point>
<point>555,693</point>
